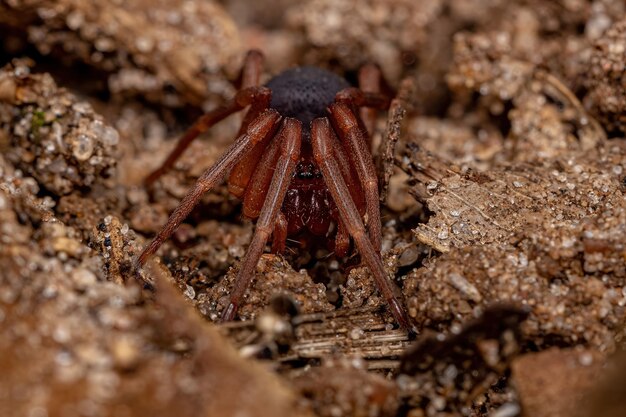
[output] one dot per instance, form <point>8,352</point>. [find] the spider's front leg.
<point>290,138</point>
<point>321,138</point>
<point>356,147</point>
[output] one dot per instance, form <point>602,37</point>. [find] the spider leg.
<point>369,82</point>
<point>279,236</point>
<point>253,64</point>
<point>353,183</point>
<point>342,240</point>
<point>265,125</point>
<point>290,138</point>
<point>256,190</point>
<point>250,77</point>
<point>241,173</point>
<point>323,154</point>
<point>349,130</point>
<point>242,99</point>
<point>353,96</point>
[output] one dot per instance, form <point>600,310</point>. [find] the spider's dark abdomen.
<point>304,92</point>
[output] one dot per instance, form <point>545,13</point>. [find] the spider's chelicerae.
<point>301,164</point>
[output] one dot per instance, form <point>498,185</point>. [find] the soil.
<point>502,166</point>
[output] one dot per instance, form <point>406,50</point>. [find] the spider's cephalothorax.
<point>301,163</point>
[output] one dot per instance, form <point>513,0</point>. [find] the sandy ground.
<point>503,164</point>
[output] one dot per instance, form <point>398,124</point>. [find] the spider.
<point>301,164</point>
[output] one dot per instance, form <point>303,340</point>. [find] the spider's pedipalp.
<point>256,190</point>
<point>279,236</point>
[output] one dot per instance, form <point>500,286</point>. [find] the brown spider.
<point>301,162</point>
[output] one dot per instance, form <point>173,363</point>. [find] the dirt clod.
<point>556,382</point>
<point>55,137</point>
